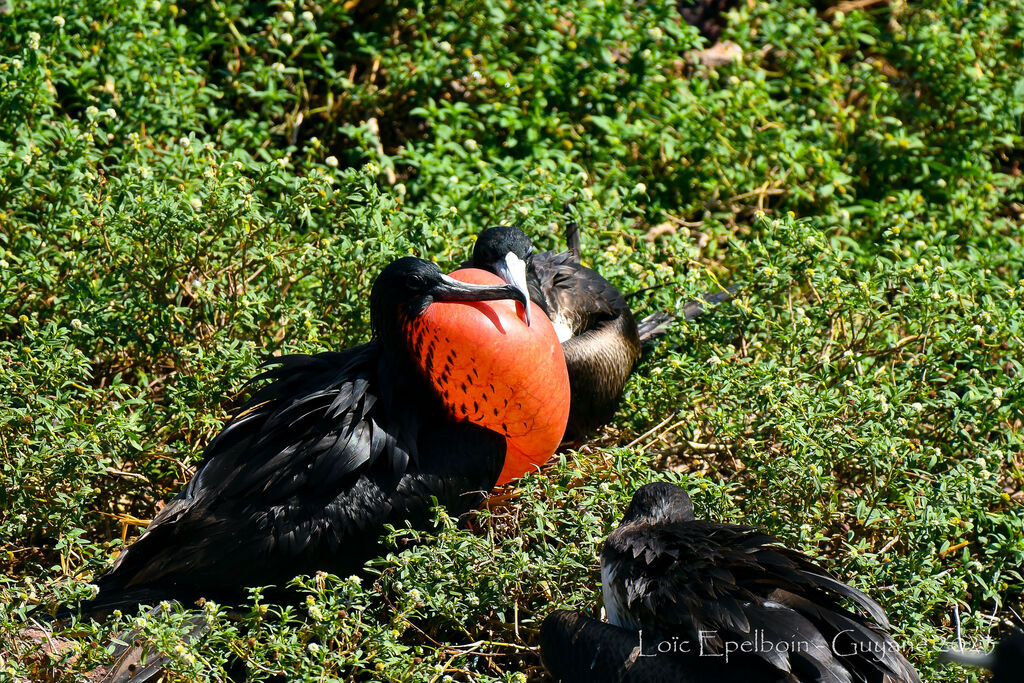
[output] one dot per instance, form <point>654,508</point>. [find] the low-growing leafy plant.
<point>186,188</point>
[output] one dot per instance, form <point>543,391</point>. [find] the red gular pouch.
<point>491,368</point>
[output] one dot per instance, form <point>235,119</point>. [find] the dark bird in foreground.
<point>690,600</point>
<point>338,445</point>
<point>600,338</point>
<point>1006,661</point>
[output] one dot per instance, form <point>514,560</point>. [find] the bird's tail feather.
<point>654,326</point>
<point>572,240</point>
<point>572,233</point>
<point>697,307</point>
<point>657,324</point>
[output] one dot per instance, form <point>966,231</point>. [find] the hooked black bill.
<point>450,289</point>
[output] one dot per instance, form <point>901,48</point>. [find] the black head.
<point>505,251</point>
<point>405,288</point>
<point>493,244</point>
<point>659,503</point>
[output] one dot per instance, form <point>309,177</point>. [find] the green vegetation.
<point>186,188</point>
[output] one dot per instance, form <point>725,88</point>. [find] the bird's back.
<point>598,333</point>
<point>723,585</point>
<point>304,478</point>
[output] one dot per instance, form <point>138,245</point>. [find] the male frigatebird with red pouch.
<point>692,601</point>
<point>455,392</point>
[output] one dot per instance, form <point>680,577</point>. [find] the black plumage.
<point>305,477</point>
<point>717,602</point>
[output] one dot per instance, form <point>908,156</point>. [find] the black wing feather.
<point>305,478</point>
<point>690,577</point>
<point>578,649</point>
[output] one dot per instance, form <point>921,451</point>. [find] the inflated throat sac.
<point>488,367</point>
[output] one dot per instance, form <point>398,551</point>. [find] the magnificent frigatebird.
<point>597,330</point>
<point>339,444</point>
<point>1006,661</point>
<point>600,338</point>
<point>690,600</point>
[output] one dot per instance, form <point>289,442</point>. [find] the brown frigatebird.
<point>337,445</point>
<point>600,337</point>
<point>696,601</point>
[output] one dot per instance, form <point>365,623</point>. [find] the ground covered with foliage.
<point>186,188</point>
